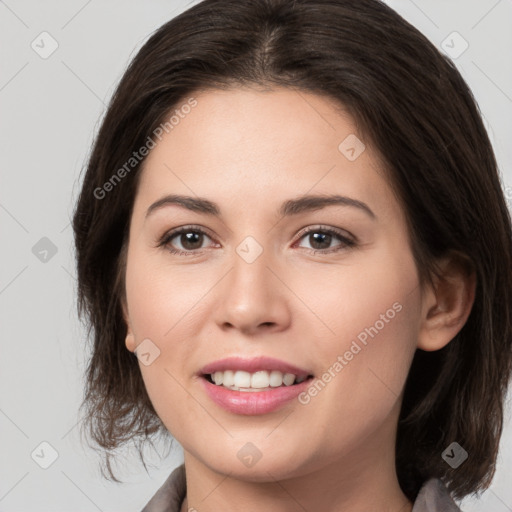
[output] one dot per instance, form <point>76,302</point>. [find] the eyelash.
<point>346,242</point>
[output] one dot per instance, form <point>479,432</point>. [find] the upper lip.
<point>253,365</point>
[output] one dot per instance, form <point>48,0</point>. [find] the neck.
<point>364,479</point>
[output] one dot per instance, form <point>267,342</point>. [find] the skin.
<point>249,150</point>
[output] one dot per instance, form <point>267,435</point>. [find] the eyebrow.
<point>288,208</point>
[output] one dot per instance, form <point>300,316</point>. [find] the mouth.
<point>263,380</point>
<point>253,386</point>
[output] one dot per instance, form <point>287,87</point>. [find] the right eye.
<point>190,238</point>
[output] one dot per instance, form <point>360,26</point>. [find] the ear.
<point>130,337</point>
<point>447,302</point>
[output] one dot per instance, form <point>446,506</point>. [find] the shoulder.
<point>170,495</point>
<point>434,497</point>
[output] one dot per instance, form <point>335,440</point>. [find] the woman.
<point>295,256</point>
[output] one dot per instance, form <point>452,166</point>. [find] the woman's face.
<point>338,305</point>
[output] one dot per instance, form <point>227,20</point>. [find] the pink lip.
<point>252,365</point>
<point>253,402</point>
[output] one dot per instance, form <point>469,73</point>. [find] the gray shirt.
<point>433,496</point>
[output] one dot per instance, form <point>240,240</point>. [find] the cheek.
<point>164,306</point>
<point>162,300</point>
<point>373,317</point>
<point>377,299</point>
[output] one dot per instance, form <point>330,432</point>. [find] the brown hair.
<point>413,105</point>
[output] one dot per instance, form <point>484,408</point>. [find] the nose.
<point>253,296</point>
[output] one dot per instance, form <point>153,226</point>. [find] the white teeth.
<point>228,379</point>
<point>288,379</point>
<point>242,379</point>
<point>276,379</point>
<point>259,380</point>
<point>239,380</point>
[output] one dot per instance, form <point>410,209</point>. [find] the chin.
<point>251,464</point>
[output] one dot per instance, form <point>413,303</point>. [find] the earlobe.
<point>447,304</point>
<point>130,340</point>
<point>130,337</point>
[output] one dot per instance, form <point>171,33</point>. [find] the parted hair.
<point>412,104</point>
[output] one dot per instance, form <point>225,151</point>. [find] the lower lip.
<point>253,402</point>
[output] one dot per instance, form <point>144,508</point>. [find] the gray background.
<point>50,112</point>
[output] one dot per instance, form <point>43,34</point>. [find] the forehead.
<point>260,147</point>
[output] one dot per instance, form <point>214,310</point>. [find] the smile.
<point>239,380</point>
<point>253,386</point>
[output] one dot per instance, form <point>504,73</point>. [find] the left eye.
<point>319,238</point>
<point>191,240</point>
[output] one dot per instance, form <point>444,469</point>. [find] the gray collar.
<point>433,496</point>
